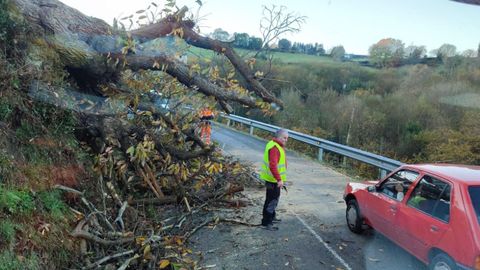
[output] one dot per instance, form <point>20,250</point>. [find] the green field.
<point>288,58</point>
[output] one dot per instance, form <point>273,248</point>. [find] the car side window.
<point>432,196</point>
<point>397,184</point>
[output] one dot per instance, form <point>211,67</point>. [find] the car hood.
<point>362,185</point>
<point>352,187</point>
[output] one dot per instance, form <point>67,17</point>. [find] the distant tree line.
<point>245,41</point>
<point>387,52</point>
<point>390,52</point>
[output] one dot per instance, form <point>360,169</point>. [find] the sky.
<point>354,24</point>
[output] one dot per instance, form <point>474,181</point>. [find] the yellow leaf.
<point>147,252</point>
<point>139,240</point>
<point>179,241</point>
<point>164,263</point>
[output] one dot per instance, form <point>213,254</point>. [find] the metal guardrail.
<point>383,163</point>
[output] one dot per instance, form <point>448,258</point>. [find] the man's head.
<point>282,135</point>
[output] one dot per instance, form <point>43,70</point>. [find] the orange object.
<point>206,114</point>
<point>205,131</point>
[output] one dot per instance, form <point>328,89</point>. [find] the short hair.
<point>280,132</point>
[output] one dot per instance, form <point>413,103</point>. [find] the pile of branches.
<point>121,229</point>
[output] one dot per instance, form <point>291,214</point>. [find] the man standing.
<point>274,173</point>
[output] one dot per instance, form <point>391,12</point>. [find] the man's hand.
<point>280,184</point>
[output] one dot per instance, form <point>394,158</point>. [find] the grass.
<point>5,110</point>
<point>289,58</point>
<point>16,202</point>
<point>9,261</point>
<point>53,203</point>
<point>7,231</point>
<point>467,100</point>
<point>6,166</point>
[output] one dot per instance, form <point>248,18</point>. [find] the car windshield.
<point>474,192</point>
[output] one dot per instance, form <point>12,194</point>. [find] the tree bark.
<point>83,43</point>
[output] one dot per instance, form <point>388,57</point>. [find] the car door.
<point>383,203</point>
<point>424,218</point>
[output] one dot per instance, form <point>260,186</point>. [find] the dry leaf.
<point>164,263</point>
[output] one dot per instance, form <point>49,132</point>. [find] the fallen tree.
<point>145,155</point>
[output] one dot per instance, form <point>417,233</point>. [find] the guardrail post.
<point>320,154</point>
<point>382,173</point>
<point>251,130</point>
<point>228,122</point>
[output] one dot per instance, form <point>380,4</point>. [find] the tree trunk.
<point>85,44</point>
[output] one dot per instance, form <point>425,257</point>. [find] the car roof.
<point>468,174</point>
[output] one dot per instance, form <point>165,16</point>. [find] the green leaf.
<point>131,151</point>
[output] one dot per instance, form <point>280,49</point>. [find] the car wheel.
<point>354,221</point>
<point>442,262</point>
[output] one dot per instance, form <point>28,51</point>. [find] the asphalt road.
<point>313,233</point>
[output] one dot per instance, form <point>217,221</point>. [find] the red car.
<point>430,210</point>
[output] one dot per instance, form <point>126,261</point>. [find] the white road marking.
<point>335,254</point>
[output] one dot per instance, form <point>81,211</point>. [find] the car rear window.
<point>475,197</point>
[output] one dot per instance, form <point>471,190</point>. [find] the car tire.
<point>354,220</point>
<point>442,261</point>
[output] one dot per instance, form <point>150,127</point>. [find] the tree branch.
<point>184,75</point>
<point>193,38</point>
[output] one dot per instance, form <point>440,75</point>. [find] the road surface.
<point>313,233</point>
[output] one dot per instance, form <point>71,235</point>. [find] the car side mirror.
<point>372,188</point>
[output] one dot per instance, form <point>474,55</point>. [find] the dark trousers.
<point>271,202</point>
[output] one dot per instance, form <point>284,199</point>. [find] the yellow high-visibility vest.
<point>265,173</point>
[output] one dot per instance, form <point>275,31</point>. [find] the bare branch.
<point>276,22</point>
<point>107,258</point>
<point>80,233</point>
